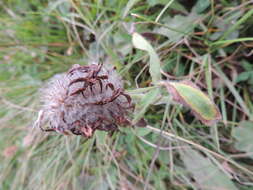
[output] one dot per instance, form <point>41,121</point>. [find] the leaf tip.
<point>189,95</point>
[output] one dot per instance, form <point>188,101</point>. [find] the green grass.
<point>205,41</point>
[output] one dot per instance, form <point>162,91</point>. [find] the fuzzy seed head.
<point>84,99</point>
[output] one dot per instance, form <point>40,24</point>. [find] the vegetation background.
<point>206,41</point>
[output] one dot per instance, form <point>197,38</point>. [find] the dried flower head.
<point>85,99</point>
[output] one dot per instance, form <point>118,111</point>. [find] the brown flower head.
<point>85,99</point>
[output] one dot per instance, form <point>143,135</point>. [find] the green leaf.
<point>140,42</point>
<point>246,65</point>
<point>142,131</point>
<point>206,174</point>
<point>243,136</point>
<point>155,2</point>
<point>148,99</point>
<point>223,24</point>
<point>178,27</point>
<point>175,4</point>
<point>188,94</point>
<point>237,24</point>
<point>202,5</point>
<point>244,76</point>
